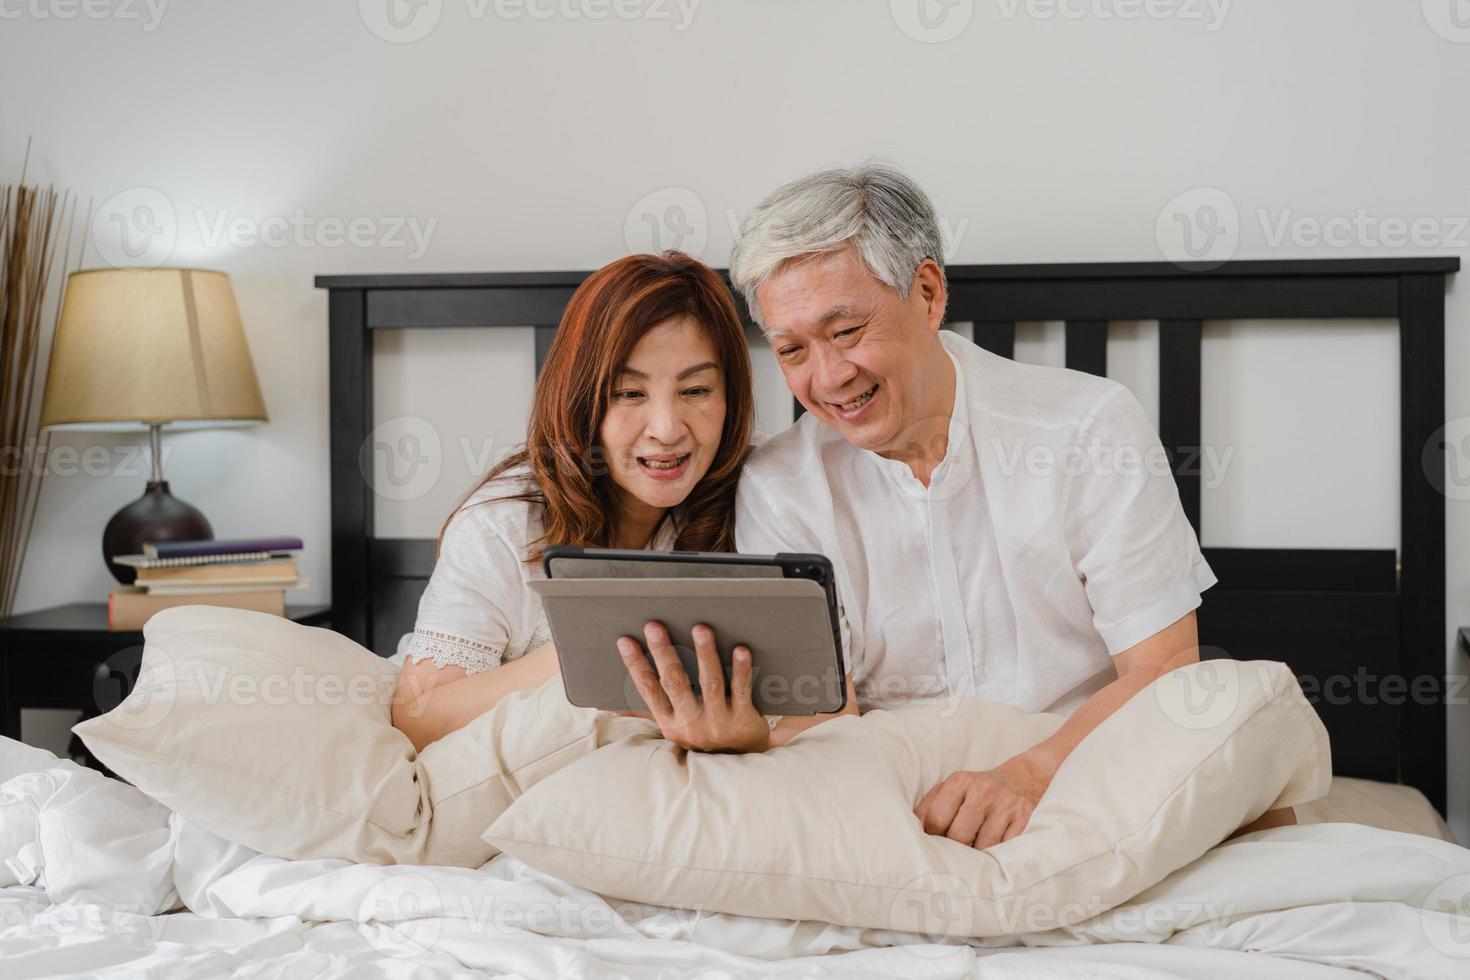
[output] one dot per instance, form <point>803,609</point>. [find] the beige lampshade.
<point>150,345</point>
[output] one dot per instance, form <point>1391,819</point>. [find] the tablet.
<point>783,607</point>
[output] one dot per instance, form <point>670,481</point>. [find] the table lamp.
<point>150,347</point>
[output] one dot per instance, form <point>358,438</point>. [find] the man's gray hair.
<point>873,207</point>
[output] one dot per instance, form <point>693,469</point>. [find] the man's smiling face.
<point>855,354</point>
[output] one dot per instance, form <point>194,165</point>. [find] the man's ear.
<point>929,287</point>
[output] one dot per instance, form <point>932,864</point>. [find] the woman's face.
<point>665,414</point>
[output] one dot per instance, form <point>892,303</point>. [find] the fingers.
<point>671,676</point>
<point>943,803</point>
<point>1017,826</point>
<point>992,831</point>
<point>974,811</point>
<point>741,695</point>
<point>711,671</point>
<point>644,678</point>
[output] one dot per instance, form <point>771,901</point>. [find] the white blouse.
<point>476,611</point>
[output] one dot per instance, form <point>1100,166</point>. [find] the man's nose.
<point>833,371</point>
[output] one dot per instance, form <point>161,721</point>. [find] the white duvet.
<point>100,881</point>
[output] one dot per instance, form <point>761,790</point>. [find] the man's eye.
<point>849,330</point>
<point>787,351</point>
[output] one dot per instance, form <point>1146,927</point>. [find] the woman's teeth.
<point>860,400</point>
<point>663,464</point>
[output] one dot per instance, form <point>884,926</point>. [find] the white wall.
<point>532,142</point>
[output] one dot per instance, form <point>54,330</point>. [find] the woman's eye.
<point>696,392</point>
<point>626,395</point>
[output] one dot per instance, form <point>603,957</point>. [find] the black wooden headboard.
<point>1364,629</point>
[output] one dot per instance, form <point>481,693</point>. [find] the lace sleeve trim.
<point>452,651</point>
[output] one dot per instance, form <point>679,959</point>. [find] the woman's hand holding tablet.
<point>707,720</point>
<point>777,615</point>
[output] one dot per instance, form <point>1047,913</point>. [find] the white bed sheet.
<point>120,887</point>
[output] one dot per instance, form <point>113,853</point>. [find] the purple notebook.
<point>233,546</point>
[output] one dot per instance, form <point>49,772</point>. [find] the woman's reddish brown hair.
<point>606,317</point>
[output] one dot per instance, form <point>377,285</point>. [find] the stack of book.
<point>245,573</point>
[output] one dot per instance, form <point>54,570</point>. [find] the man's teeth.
<point>860,400</point>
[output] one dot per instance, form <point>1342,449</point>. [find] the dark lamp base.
<point>155,516</point>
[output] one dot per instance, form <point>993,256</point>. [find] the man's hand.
<point>981,809</point>
<point>708,721</point>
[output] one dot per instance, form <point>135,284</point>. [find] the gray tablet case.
<point>785,623</point>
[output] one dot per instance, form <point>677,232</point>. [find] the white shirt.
<point>1050,538</point>
<point>476,612</point>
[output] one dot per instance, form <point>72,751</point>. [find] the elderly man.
<point>996,529</point>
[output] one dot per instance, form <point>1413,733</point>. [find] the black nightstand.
<point>50,658</point>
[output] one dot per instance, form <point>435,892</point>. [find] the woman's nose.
<point>665,423</point>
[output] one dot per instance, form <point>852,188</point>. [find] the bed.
<point>131,889</point>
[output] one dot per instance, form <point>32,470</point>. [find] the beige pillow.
<point>279,736</point>
<point>1389,806</point>
<point>823,827</point>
